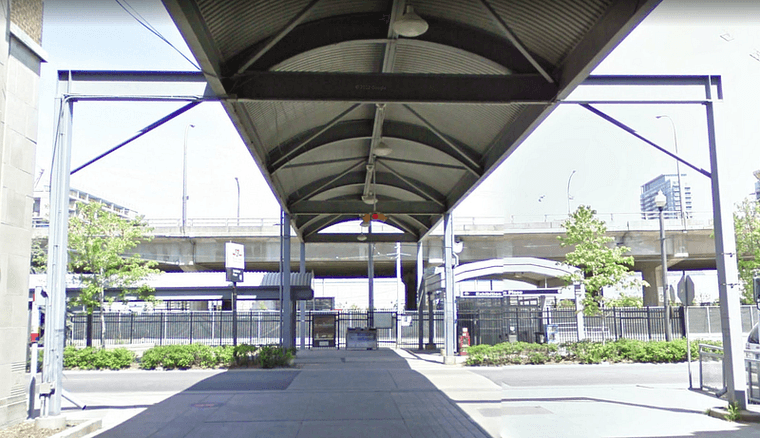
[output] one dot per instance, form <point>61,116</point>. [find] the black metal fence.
<point>486,325</point>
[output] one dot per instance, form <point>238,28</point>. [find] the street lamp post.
<point>678,168</point>
<point>237,182</point>
<point>660,200</point>
<point>568,192</point>
<point>184,180</point>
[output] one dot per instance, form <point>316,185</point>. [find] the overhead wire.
<point>140,19</point>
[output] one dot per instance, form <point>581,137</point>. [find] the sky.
<point>679,37</point>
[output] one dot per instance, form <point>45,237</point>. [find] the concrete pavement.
<point>398,393</point>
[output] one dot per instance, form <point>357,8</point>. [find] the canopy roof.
<point>317,88</point>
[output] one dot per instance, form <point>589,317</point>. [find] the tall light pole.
<point>660,201</point>
<point>184,180</point>
<point>568,192</point>
<point>237,182</point>
<point>678,168</point>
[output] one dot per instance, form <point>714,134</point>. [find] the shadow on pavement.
<point>330,393</point>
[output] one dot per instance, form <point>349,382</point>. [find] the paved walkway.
<point>389,393</point>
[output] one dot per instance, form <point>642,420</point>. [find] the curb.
<point>82,428</point>
<point>744,416</point>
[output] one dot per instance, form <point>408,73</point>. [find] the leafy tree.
<point>747,231</point>
<point>624,301</point>
<point>38,263</point>
<point>600,263</point>
<point>98,240</point>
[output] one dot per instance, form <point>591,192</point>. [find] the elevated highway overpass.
<point>689,245</point>
<point>200,246</point>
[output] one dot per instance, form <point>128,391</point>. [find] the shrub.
<point>584,352</point>
<point>95,358</point>
<point>203,356</point>
<point>272,356</point>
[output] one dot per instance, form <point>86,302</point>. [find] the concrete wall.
<point>20,58</point>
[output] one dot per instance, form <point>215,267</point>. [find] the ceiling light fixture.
<point>361,237</point>
<point>382,149</point>
<point>370,198</point>
<point>410,24</point>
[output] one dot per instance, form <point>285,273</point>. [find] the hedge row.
<point>97,359</point>
<point>622,350</point>
<point>179,357</point>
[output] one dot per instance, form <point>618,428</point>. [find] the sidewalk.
<point>387,393</point>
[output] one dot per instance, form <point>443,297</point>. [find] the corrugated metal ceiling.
<point>308,151</point>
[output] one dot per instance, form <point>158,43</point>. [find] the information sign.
<point>361,338</point>
<point>323,330</point>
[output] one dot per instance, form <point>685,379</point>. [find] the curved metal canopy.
<point>314,86</point>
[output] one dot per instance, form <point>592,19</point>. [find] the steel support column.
<point>286,305</point>
<point>728,275</point>
<point>448,321</point>
<point>371,279</point>
<point>58,255</point>
<point>420,298</point>
<point>302,303</point>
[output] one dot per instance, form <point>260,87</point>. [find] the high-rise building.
<point>669,186</point>
<point>757,184</point>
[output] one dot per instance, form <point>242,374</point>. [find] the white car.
<point>752,348</point>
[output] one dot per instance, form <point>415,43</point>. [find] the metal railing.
<point>711,377</point>
<point>465,224</point>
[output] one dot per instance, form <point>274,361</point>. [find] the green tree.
<point>38,263</point>
<point>98,242</point>
<point>747,231</point>
<point>624,301</point>
<point>600,263</point>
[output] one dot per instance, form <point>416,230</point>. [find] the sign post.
<point>234,265</point>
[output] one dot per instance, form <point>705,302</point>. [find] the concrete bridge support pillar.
<point>653,293</point>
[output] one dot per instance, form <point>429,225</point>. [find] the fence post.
<point>191,326</point>
<point>221,325</point>
<point>161,330</point>
<point>615,323</point>
<point>131,327</point>
<point>649,323</point>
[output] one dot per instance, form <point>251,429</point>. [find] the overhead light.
<point>660,200</point>
<point>364,224</point>
<point>410,24</point>
<point>383,150</point>
<point>370,199</point>
<point>361,237</point>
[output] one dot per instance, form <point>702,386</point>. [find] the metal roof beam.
<point>189,21</point>
<point>357,178</point>
<point>389,59</point>
<point>280,35</point>
<point>395,88</point>
<point>372,27</point>
<point>327,182</point>
<point>496,18</point>
<point>474,166</point>
<point>351,238</point>
<point>284,158</point>
<point>417,186</point>
<point>360,129</point>
<point>359,207</point>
